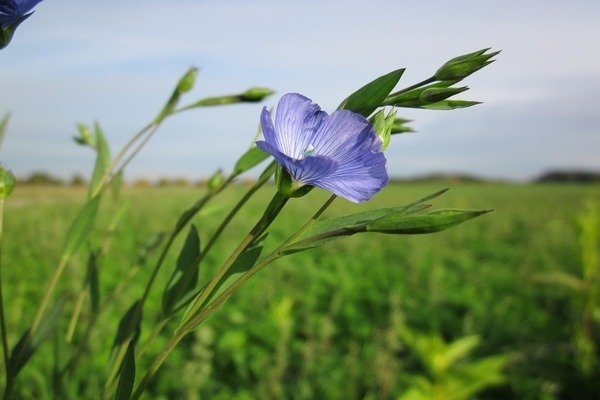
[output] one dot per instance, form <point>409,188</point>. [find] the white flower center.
<point>308,151</point>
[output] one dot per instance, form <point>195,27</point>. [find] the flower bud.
<point>435,94</point>
<point>256,94</point>
<point>383,126</point>
<point>460,67</point>
<point>288,186</point>
<point>186,83</point>
<point>215,181</point>
<point>7,182</point>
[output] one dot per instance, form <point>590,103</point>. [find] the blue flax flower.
<point>12,13</point>
<point>12,10</point>
<point>340,152</point>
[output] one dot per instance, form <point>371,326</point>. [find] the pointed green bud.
<point>185,84</point>
<point>435,94</point>
<point>7,182</point>
<point>85,137</point>
<point>215,181</point>
<point>460,67</point>
<point>187,81</point>
<point>288,186</point>
<point>256,94</point>
<point>399,126</point>
<point>383,126</point>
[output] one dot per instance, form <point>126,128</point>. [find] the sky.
<point>116,63</point>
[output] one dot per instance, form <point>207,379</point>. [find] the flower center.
<point>308,151</point>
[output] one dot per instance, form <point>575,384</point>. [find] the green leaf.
<point>3,125</point>
<point>93,281</point>
<point>102,160</point>
<point>127,376</point>
<point>327,230</point>
<point>28,344</point>
<point>415,97</point>
<point>450,105</point>
<point>371,96</point>
<point>434,221</point>
<point>249,159</point>
<point>130,325</point>
<point>242,264</point>
<point>82,227</point>
<point>85,137</point>
<point>185,276</point>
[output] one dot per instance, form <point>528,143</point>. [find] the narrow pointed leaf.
<point>185,276</point>
<point>250,159</point>
<point>102,160</point>
<point>93,281</point>
<point>130,325</point>
<point>29,343</point>
<point>3,125</point>
<point>450,104</point>
<point>434,221</point>
<point>81,227</point>
<point>127,376</point>
<point>325,231</point>
<point>242,264</point>
<point>371,96</point>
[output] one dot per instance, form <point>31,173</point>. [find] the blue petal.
<point>306,171</point>
<point>24,6</point>
<point>360,180</point>
<point>296,120</point>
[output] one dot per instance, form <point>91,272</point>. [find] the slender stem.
<point>175,339</point>
<point>48,294</point>
<point>5,347</point>
<point>120,155</point>
<point>390,98</point>
<point>273,209</point>
<point>263,223</point>
<point>277,253</point>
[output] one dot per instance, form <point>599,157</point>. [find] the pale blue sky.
<point>116,62</point>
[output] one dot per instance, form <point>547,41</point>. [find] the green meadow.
<point>371,316</point>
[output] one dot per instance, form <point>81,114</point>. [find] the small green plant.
<point>449,372</point>
<point>584,288</point>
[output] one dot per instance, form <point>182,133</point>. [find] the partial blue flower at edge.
<point>12,10</point>
<point>340,153</point>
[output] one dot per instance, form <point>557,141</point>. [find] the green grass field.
<point>326,323</point>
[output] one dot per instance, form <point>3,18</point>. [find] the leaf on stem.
<point>102,161</point>
<point>249,159</point>
<point>81,227</point>
<point>325,231</point>
<point>29,343</point>
<point>130,325</point>
<point>434,221</point>
<point>3,125</point>
<point>371,96</point>
<point>185,275</point>
<point>93,280</point>
<point>127,375</point>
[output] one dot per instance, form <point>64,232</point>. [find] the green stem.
<point>48,294</point>
<point>277,253</point>
<point>5,347</point>
<point>391,97</point>
<point>273,209</point>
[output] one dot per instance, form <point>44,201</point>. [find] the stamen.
<point>309,151</point>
